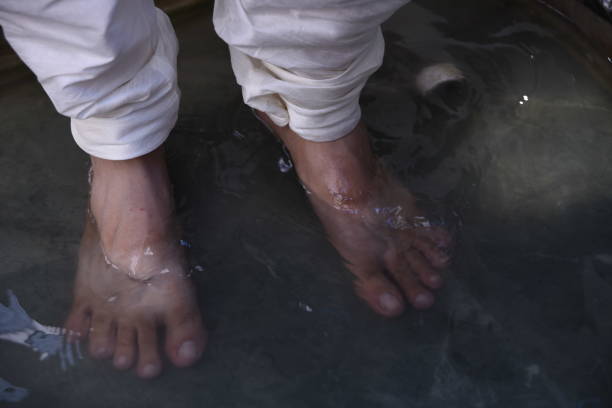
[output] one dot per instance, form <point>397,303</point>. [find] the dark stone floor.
<point>526,317</point>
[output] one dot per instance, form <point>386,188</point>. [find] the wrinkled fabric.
<point>109,65</point>
<point>305,63</point>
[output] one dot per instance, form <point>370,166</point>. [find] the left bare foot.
<point>120,316</point>
<point>372,220</point>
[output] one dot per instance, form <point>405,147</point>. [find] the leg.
<point>305,80</point>
<point>371,219</point>
<point>111,67</point>
<point>132,219</point>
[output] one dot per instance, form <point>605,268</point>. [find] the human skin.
<point>131,277</point>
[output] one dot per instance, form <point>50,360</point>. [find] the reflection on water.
<point>517,154</point>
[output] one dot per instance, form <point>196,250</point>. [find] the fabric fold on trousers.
<point>305,63</point>
<point>135,121</point>
<point>110,66</point>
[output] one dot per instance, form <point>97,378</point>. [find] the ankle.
<point>151,166</point>
<point>131,202</point>
<point>344,169</point>
<point>142,182</point>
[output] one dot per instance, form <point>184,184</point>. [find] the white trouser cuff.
<point>127,137</point>
<point>318,109</point>
<point>137,117</point>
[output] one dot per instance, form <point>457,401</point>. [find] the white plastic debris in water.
<point>112,299</point>
<point>109,263</point>
<point>532,371</point>
<point>17,327</point>
<point>90,174</point>
<point>420,221</point>
<point>164,271</point>
<point>198,268</point>
<point>284,165</point>
<point>304,307</point>
<point>148,251</point>
<point>308,192</point>
<point>238,135</point>
<point>434,75</point>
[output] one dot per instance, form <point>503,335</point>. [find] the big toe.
<point>381,294</point>
<point>185,337</point>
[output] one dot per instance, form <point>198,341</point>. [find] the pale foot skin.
<point>386,242</point>
<point>131,202</point>
<point>119,304</point>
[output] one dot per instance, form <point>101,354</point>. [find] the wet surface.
<point>519,154</point>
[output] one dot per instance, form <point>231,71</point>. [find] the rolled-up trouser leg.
<point>108,65</point>
<point>304,63</point>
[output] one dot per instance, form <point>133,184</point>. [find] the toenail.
<point>188,350</point>
<point>149,370</point>
<point>435,280</point>
<point>121,361</point>
<point>423,300</point>
<point>388,302</point>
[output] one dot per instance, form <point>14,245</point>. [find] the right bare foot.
<point>131,277</point>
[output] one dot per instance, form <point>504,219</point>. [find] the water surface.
<point>518,157</point>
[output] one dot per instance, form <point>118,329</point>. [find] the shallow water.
<point>524,320</point>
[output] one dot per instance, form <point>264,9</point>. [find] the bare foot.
<point>120,316</point>
<point>131,277</point>
<point>372,220</point>
<point>131,202</point>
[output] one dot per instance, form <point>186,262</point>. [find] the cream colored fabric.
<point>109,65</point>
<point>304,63</point>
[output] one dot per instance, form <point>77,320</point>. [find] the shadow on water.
<point>516,157</point>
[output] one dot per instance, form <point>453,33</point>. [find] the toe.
<point>439,236</point>
<point>185,337</point>
<point>428,275</point>
<point>436,254</point>
<point>149,362</point>
<point>381,294</point>
<point>77,323</point>
<point>125,348</point>
<point>399,267</point>
<point>101,336</point>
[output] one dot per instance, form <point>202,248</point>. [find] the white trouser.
<point>304,62</point>
<point>110,65</point>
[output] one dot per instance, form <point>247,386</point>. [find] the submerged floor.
<point>518,159</point>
